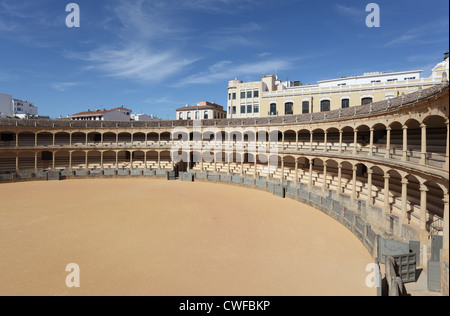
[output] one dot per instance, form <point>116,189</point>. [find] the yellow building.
<point>272,97</point>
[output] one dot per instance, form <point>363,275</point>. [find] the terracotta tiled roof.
<point>97,112</point>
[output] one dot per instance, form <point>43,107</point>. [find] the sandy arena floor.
<point>154,237</point>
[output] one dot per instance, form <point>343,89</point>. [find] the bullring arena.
<point>350,176</point>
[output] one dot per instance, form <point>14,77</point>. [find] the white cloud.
<point>225,70</point>
<point>63,86</point>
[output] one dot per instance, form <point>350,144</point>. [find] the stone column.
<point>17,162</point>
<point>101,161</point>
<point>54,136</point>
<point>117,160</point>
<point>159,139</point>
<point>388,143</point>
<point>369,186</point>
<point>310,173</point>
<point>355,168</point>
<point>311,141</point>
<point>296,141</point>
<point>282,170</point>
<point>324,176</point>
<point>117,139</point>
<point>404,198</point>
<point>282,141</point>
<point>145,158</point>
<point>146,140</point>
<point>387,208</point>
<point>340,141</point>
<point>340,178</point>
<point>296,170</point>
<point>53,160</point>
<point>446,223</point>
<point>70,139</point>
<point>355,141</point>
<point>229,164</point>
<point>159,160</point>
<point>131,156</point>
<point>87,138</point>
<point>36,161</point>
<point>70,161</point>
<point>36,139</point>
<point>132,139</point>
<point>101,139</point>
<point>325,140</point>
<point>87,160</point>
<point>423,214</point>
<point>371,142</point>
<point>405,143</point>
<point>447,148</point>
<point>423,154</point>
<point>17,140</point>
<point>242,164</point>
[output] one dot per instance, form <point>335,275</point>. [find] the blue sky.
<point>156,56</point>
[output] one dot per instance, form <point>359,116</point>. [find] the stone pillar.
<point>36,139</point>
<point>87,160</point>
<point>70,161</point>
<point>447,148</point>
<point>53,160</point>
<point>282,170</point>
<point>117,139</point>
<point>146,140</point>
<point>17,140</point>
<point>87,139</point>
<point>159,139</point>
<point>340,141</point>
<point>340,178</point>
<point>387,207</point>
<point>282,141</point>
<point>423,214</point>
<point>229,164</point>
<point>117,160</point>
<point>355,141</point>
<point>17,162</point>
<point>131,156</point>
<point>132,139</point>
<point>355,168</point>
<point>388,143</point>
<point>54,136</point>
<point>101,161</point>
<point>311,141</point>
<point>145,158</point>
<point>371,142</point>
<point>423,154</point>
<point>369,186</point>
<point>101,139</point>
<point>296,141</point>
<point>70,139</point>
<point>404,198</point>
<point>296,170</point>
<point>446,223</point>
<point>36,161</point>
<point>159,160</point>
<point>405,143</point>
<point>310,173</point>
<point>324,176</point>
<point>325,140</point>
<point>242,164</point>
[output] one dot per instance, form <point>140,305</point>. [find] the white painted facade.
<point>24,108</point>
<point>6,105</point>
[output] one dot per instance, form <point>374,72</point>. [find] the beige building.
<point>203,111</point>
<point>272,97</point>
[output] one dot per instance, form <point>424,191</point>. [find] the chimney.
<point>446,56</point>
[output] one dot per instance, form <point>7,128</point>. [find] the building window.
<point>273,109</point>
<point>325,106</point>
<point>392,80</point>
<point>229,96</point>
<point>234,110</point>
<point>289,108</point>
<point>205,115</point>
<point>249,94</point>
<point>410,78</point>
<point>345,103</point>
<point>366,101</point>
<point>234,96</point>
<point>243,95</point>
<point>189,115</point>
<point>305,107</point>
<point>249,108</point>
<point>181,116</point>
<point>256,108</point>
<point>197,115</point>
<point>256,94</point>
<point>242,109</point>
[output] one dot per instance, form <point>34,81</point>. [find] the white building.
<point>143,117</point>
<point>117,114</point>
<point>14,107</point>
<point>6,105</point>
<point>203,111</point>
